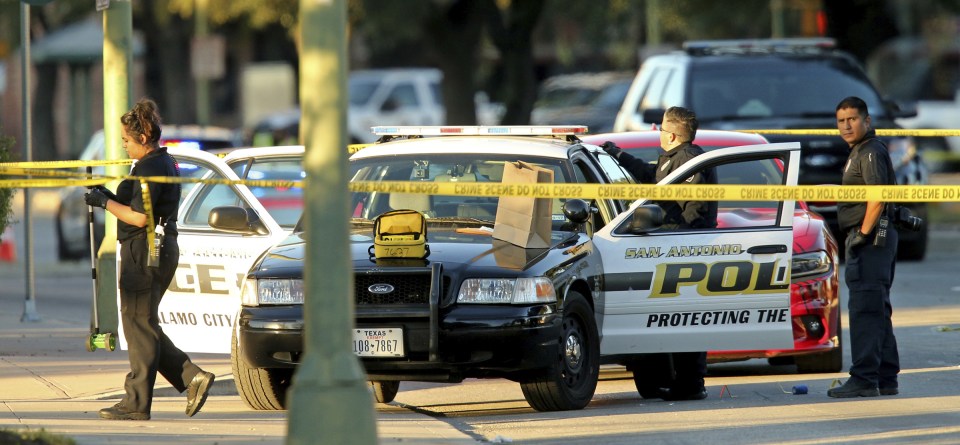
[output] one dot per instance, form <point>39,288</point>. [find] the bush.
<point>6,194</point>
<point>33,438</point>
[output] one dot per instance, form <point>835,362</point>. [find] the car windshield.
<point>467,169</point>
<point>777,87</point>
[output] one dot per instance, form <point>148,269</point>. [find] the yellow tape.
<point>922,132</point>
<point>65,164</point>
<point>353,148</point>
<point>630,192</point>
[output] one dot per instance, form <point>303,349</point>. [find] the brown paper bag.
<point>510,256</point>
<point>524,221</point>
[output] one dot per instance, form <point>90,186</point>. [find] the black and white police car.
<point>610,287</point>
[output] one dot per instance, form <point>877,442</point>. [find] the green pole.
<point>117,92</point>
<point>329,399</point>
<point>654,36</point>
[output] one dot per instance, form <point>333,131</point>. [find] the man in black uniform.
<point>870,262</point>
<point>677,131</point>
<point>142,284</point>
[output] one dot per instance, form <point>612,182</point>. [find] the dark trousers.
<point>869,275</point>
<point>149,349</point>
<point>682,372</point>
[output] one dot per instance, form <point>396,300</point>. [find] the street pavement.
<point>49,381</point>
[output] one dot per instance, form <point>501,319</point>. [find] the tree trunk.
<point>44,134</point>
<point>454,34</point>
<point>511,33</point>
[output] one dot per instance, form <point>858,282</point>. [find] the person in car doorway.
<point>678,375</point>
<point>142,283</point>
<point>871,252</point>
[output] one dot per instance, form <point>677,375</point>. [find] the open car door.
<point>725,288</point>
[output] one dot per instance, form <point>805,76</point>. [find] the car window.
<point>653,96</point>
<point>403,95</point>
<point>285,204</point>
<point>360,90</point>
<point>208,196</point>
<point>776,87</point>
<point>468,170</point>
<point>766,171</point>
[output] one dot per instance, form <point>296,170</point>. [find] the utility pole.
<point>329,400</point>
<point>30,303</point>
<point>200,32</point>
<point>117,92</point>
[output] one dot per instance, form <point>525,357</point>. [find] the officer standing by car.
<point>143,283</point>
<point>871,251</point>
<point>678,375</point>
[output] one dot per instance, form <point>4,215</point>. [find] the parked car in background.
<point>814,289</point>
<point>591,99</point>
<point>395,96</point>
<point>791,84</point>
<point>72,222</point>
<point>928,72</point>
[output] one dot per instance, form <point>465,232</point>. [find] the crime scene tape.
<point>920,132</point>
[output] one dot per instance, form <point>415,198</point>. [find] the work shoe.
<point>119,412</point>
<point>197,391</point>
<point>889,391</point>
<point>853,389</point>
<point>674,394</point>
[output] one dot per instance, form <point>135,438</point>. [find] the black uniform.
<point>869,272</point>
<point>142,287</point>
<point>689,368</point>
<point>679,214</point>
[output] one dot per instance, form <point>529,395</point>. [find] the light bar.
<point>511,130</point>
<point>760,44</point>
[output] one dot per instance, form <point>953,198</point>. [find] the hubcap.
<point>573,351</point>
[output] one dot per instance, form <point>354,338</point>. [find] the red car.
<point>814,292</point>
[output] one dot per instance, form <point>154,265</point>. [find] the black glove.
<point>96,198</point>
<point>105,191</point>
<point>611,149</point>
<point>856,239</point>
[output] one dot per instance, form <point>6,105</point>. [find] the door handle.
<point>770,248</point>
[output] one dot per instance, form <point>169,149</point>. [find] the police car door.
<point>199,309</point>
<point>710,289</point>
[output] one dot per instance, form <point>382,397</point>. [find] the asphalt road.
<point>750,402</point>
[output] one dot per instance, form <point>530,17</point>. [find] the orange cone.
<point>8,248</point>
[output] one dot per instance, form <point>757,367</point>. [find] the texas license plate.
<point>378,342</point>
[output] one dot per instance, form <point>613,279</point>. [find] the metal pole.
<point>30,304</point>
<point>329,401</point>
<point>777,21</point>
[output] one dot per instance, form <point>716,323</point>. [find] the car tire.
<point>569,383</point>
<point>261,389</point>
<point>830,361</point>
<point>385,391</point>
<point>63,252</point>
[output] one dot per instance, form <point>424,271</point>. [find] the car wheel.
<point>260,389</point>
<point>569,383</point>
<point>830,361</point>
<point>385,391</point>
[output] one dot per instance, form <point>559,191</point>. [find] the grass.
<point>41,437</point>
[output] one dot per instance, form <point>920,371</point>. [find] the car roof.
<point>549,147</point>
<point>706,138</point>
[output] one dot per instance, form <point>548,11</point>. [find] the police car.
<point>611,285</point>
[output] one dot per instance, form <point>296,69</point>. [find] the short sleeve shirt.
<point>164,198</point>
<point>868,164</point>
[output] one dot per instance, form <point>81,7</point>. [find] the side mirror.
<point>234,219</point>
<point>579,213</point>
<point>646,218</point>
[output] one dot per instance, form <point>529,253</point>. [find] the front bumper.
<point>471,341</point>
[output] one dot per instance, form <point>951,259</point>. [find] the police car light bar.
<point>512,130</point>
<point>746,45</point>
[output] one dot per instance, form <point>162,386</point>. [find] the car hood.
<point>463,248</point>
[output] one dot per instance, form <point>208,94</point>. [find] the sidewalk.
<point>49,381</point>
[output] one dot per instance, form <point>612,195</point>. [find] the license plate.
<point>378,342</point>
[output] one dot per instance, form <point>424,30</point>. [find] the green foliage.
<point>6,194</point>
<point>41,437</point>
